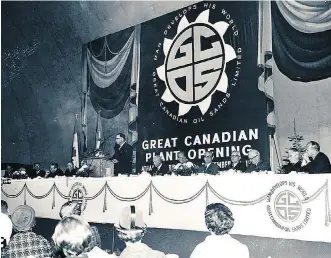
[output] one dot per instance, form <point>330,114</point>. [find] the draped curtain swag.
<point>302,39</point>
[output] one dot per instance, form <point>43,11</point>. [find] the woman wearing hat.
<point>25,242</point>
<point>131,229</point>
<point>73,236</point>
<point>219,221</point>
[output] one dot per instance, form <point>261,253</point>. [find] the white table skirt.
<point>179,202</point>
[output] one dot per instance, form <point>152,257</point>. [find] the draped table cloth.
<point>266,205</point>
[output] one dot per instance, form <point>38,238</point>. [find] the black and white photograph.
<point>166,129</point>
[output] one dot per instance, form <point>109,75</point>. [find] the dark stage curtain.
<point>298,55</point>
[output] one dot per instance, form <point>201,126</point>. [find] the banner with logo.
<point>199,84</point>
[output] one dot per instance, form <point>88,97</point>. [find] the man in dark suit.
<point>208,167</point>
<point>294,162</point>
<point>315,162</point>
<point>256,163</point>
<point>122,157</point>
<point>159,169</point>
<point>236,162</point>
<point>9,172</point>
<point>37,171</point>
<point>70,170</point>
<point>54,170</point>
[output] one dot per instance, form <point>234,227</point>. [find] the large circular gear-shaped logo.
<point>195,63</point>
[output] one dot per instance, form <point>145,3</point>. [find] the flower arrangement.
<point>185,169</point>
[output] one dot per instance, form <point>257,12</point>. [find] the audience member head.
<point>72,235</point>
<point>36,166</point>
<point>254,156</point>
<point>312,149</point>
<point>293,155</point>
<point>157,160</point>
<point>23,218</point>
<point>130,226</point>
<point>208,157</point>
<point>218,218</point>
<point>71,208</point>
<point>53,167</point>
<point>235,157</point>
<point>6,226</point>
<point>70,166</point>
<point>4,207</point>
<point>120,138</point>
<point>182,157</point>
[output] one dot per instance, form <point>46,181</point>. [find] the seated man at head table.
<point>184,167</point>
<point>54,170</point>
<point>70,170</point>
<point>85,169</point>
<point>256,163</point>
<point>294,162</point>
<point>37,171</point>
<point>314,161</point>
<point>236,162</point>
<point>159,169</point>
<point>9,172</point>
<point>208,167</point>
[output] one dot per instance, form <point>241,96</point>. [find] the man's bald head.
<point>157,160</point>
<point>254,156</point>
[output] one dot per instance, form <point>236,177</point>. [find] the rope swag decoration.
<point>151,188</point>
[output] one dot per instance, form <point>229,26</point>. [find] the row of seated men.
<point>74,237</point>
<point>53,171</point>
<point>313,161</point>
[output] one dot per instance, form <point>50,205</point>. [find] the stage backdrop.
<point>191,78</point>
<point>199,84</point>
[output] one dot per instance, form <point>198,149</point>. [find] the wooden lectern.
<point>100,166</point>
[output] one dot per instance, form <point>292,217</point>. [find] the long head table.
<point>277,206</point>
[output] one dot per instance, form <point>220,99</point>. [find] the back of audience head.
<point>4,207</point>
<point>23,218</point>
<point>71,208</point>
<point>219,219</point>
<point>131,227</point>
<point>72,235</point>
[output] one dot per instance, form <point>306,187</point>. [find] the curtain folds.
<point>298,55</point>
<point>307,16</point>
<point>109,73</point>
<point>104,73</point>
